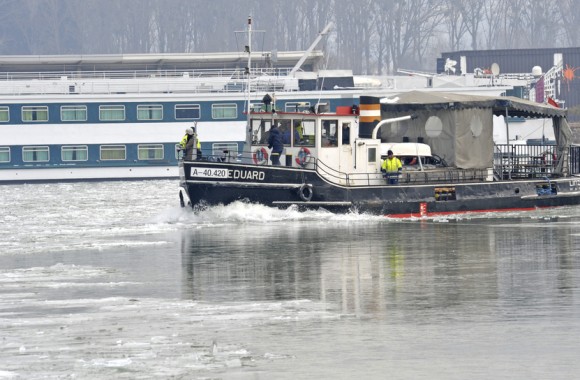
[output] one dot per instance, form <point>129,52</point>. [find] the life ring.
<point>260,156</point>
<point>544,158</point>
<point>303,157</point>
<point>305,192</point>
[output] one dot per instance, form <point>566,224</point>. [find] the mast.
<point>248,143</point>
<point>309,50</point>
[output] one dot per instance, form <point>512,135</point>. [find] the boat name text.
<point>228,173</point>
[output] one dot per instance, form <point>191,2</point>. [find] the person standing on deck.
<point>188,142</point>
<point>392,167</point>
<point>275,143</point>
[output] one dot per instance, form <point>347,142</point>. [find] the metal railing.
<point>524,161</point>
<point>574,160</point>
<point>146,81</point>
<point>510,162</point>
<point>238,74</point>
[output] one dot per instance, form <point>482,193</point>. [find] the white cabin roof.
<point>406,149</point>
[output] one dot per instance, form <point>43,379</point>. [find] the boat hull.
<point>209,183</point>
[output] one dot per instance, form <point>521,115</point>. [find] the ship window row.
<point>288,107</point>
<point>77,153</point>
<point>145,112</point>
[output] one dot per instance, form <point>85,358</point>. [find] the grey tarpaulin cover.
<point>459,127</point>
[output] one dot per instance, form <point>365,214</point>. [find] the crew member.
<point>188,142</point>
<point>275,143</point>
<point>392,168</point>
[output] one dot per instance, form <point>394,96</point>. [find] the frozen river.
<point>114,280</point>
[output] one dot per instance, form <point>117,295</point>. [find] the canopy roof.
<point>419,100</point>
<point>459,127</point>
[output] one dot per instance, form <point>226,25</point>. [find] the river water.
<point>114,280</point>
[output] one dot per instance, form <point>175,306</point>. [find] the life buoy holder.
<point>260,156</point>
<point>303,157</point>
<point>305,192</point>
<point>545,156</point>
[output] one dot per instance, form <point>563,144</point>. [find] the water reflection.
<point>386,270</point>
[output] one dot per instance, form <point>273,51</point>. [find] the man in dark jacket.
<point>275,143</point>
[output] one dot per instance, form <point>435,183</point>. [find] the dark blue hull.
<point>212,183</point>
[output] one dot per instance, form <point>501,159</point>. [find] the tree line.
<point>369,36</point>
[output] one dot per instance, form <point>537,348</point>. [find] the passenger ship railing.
<point>141,74</point>
<point>146,81</point>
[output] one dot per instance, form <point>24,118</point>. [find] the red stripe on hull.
<point>443,213</point>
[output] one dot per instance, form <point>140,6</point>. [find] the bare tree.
<point>456,28</point>
<point>355,28</point>
<point>570,15</point>
<point>543,23</point>
<point>371,36</point>
<point>512,24</point>
<point>429,15</point>
<point>471,12</point>
<point>383,36</point>
<point>9,32</point>
<point>494,12</point>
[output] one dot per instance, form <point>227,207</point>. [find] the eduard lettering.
<point>253,175</point>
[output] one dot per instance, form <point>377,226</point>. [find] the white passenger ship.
<point>123,118</point>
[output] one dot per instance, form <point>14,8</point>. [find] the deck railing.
<point>524,161</point>
<point>145,81</point>
<point>510,162</point>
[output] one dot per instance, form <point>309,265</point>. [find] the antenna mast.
<point>309,50</point>
<point>248,111</point>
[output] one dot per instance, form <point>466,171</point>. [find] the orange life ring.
<point>303,157</point>
<point>260,156</point>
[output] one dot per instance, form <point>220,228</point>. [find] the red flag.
<point>553,102</point>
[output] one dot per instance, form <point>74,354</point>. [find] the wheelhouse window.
<point>297,106</point>
<point>224,111</point>
<point>34,113</point>
<point>260,131</point>
<point>306,132</point>
<point>372,155</point>
<point>224,150</point>
<point>111,113</point>
<point>187,111</point>
<point>150,112</point>
<point>74,153</point>
<point>35,154</point>
<point>330,133</point>
<point>113,152</point>
<point>73,113</point>
<point>4,114</point>
<point>150,151</point>
<point>288,136</point>
<point>4,154</point>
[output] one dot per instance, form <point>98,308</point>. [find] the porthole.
<point>433,126</point>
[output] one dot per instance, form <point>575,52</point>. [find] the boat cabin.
<point>330,138</point>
